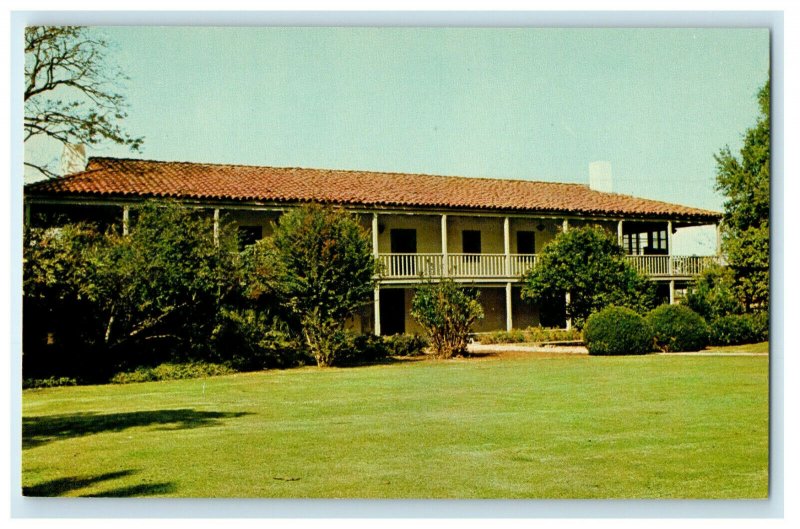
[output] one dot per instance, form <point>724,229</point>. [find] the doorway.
<point>393,311</point>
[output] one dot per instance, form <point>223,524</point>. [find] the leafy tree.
<point>71,92</point>
<point>588,264</point>
<point>712,295</point>
<point>319,265</point>
<point>745,183</point>
<point>128,299</point>
<point>447,312</point>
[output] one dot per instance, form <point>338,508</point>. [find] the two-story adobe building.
<point>479,231</point>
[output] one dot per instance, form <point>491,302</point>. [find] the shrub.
<point>52,382</point>
<point>406,345</point>
<point>248,340</point>
<point>532,335</point>
<point>617,331</point>
<point>361,349</point>
<point>447,312</point>
<point>168,371</point>
<point>737,329</point>
<point>678,328</point>
<point>713,294</point>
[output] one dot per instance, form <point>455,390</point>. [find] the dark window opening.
<point>249,235</point>
<point>526,242</point>
<point>471,241</point>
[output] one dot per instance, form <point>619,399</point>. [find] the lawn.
<point>515,426</point>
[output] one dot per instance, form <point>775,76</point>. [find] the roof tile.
<point>120,177</point>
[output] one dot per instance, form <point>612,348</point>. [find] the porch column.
<point>27,216</point>
<point>509,323</point>
<point>669,249</point>
<point>719,238</point>
<point>507,250</point>
<point>619,233</point>
<point>567,297</point>
<point>565,226</point>
<point>445,271</point>
<point>126,214</point>
<point>672,292</point>
<point>377,293</point>
<point>216,226</point>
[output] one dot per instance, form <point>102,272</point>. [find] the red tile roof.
<point>115,177</point>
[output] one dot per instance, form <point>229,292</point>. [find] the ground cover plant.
<point>531,335</point>
<point>523,426</point>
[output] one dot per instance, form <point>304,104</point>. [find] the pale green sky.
<point>509,103</point>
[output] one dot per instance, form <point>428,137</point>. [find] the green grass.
<point>759,348</point>
<point>535,426</point>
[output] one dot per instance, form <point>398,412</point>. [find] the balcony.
<point>399,267</point>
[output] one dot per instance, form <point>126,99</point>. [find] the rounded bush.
<point>737,329</point>
<point>678,328</point>
<point>617,331</point>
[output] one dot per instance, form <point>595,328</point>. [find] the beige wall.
<point>265,219</point>
<point>428,231</point>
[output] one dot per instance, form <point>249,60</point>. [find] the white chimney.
<point>73,159</point>
<point>600,176</point>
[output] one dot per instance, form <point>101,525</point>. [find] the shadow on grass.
<point>61,486</point>
<point>44,429</point>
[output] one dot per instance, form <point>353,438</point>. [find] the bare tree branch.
<point>71,92</point>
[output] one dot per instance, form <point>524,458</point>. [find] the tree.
<point>319,265</point>
<point>589,265</point>
<point>71,93</point>
<point>128,300</point>
<point>745,183</point>
<point>447,312</point>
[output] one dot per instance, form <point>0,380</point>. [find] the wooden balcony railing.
<point>488,266</point>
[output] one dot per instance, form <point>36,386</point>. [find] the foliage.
<point>617,331</point>
<point>406,345</point>
<point>71,91</point>
<point>447,312</point>
<point>713,294</point>
<point>127,300</point>
<point>319,265</point>
<point>169,371</point>
<point>745,182</point>
<point>589,265</point>
<point>532,335</point>
<point>678,328</point>
<point>736,329</point>
<point>248,340</point>
<point>50,382</point>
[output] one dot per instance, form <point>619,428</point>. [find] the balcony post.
<point>669,249</point>
<point>619,233</point>
<point>216,226</point>
<point>445,271</point>
<point>126,215</point>
<point>509,322</point>
<point>507,248</point>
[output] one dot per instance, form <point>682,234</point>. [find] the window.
<point>526,242</point>
<point>471,241</point>
<point>248,235</point>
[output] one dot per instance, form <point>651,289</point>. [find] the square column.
<point>507,247</point>
<point>620,239</point>
<point>216,226</point>
<point>509,322</point>
<point>377,294</point>
<point>445,271</point>
<point>126,215</point>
